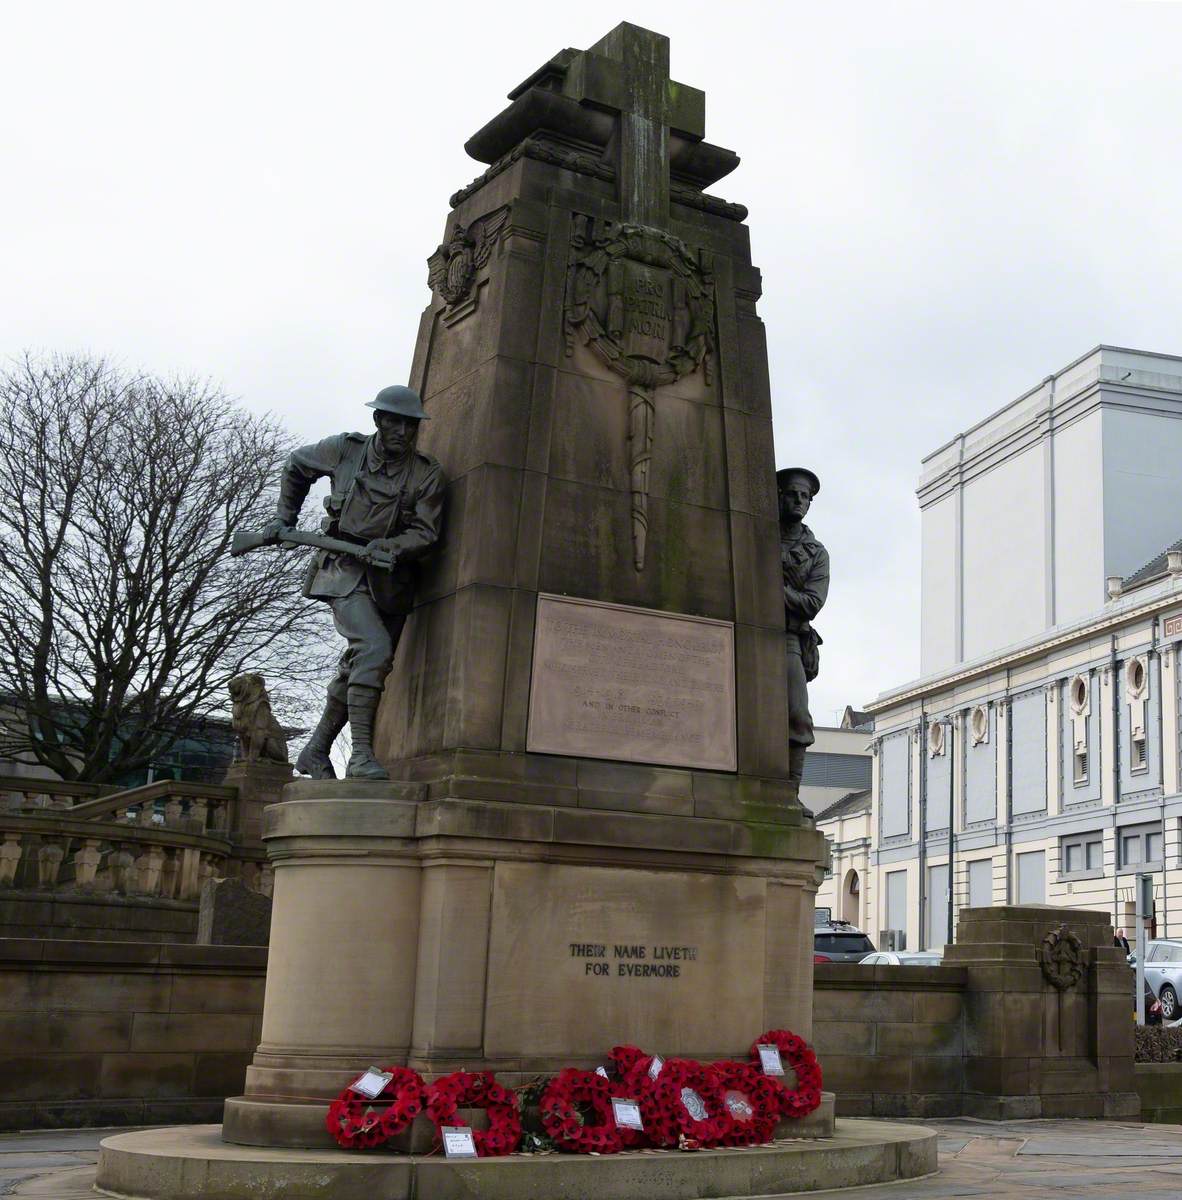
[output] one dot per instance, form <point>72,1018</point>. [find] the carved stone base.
<point>193,1163</point>
<point>454,933</point>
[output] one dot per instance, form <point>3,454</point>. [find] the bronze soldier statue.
<point>387,500</point>
<point>804,564</point>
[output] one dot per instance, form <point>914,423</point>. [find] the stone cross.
<point>628,72</point>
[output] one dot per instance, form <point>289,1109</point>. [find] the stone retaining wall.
<point>1160,1087</point>
<point>115,1033</point>
<point>891,1039</point>
<point>95,916</point>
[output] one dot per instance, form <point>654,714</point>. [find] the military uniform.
<point>373,497</point>
<point>801,549</point>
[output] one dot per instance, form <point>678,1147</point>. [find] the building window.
<point>979,725</point>
<point>980,883</point>
<point>1032,873</point>
<point>1140,848</point>
<point>1140,761</point>
<point>1081,766</point>
<point>938,932</point>
<point>896,910</point>
<point>936,739</point>
<point>1079,696</point>
<point>1082,853</point>
<point>1137,695</point>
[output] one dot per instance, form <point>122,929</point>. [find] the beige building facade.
<point>1044,768</point>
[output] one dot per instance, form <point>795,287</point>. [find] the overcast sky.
<point>948,202</point>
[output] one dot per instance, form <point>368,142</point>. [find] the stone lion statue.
<point>260,736</point>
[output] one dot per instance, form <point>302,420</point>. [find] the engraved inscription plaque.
<point>610,681</point>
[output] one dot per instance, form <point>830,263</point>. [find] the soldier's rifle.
<point>246,540</point>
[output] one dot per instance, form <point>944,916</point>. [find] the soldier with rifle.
<point>384,513</point>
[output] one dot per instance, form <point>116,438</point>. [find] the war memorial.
<point>570,821</point>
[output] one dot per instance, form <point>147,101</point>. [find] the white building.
<point>837,763</point>
<point>1026,514</point>
<point>1037,759</point>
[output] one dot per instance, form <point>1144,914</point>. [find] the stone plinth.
<point>193,1163</point>
<point>1033,1049</point>
<point>259,783</point>
<point>519,937</point>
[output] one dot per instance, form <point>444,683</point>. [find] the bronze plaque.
<point>611,681</point>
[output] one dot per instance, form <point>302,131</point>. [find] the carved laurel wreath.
<point>595,311</point>
<point>1061,958</point>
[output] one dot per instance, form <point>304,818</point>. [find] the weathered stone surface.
<point>231,914</point>
<point>193,1164</point>
<point>578,953</point>
<point>101,1033</point>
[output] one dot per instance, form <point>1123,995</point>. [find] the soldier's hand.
<point>275,529</point>
<point>794,575</point>
<point>380,546</point>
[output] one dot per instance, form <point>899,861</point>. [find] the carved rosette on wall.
<point>1061,958</point>
<point>644,302</point>
<point>452,269</point>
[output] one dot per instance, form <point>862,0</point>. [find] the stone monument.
<point>589,835</point>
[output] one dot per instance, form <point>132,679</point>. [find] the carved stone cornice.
<point>588,164</point>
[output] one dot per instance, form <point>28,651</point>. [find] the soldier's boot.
<point>796,755</point>
<point>313,758</point>
<point>363,707</point>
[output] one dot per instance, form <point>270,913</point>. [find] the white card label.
<point>458,1142</point>
<point>601,1071</point>
<point>769,1060</point>
<point>739,1106</point>
<point>372,1084</point>
<point>626,1113</point>
<point>694,1104</point>
<point>654,1068</point>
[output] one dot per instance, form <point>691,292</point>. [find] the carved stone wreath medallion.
<point>1061,958</point>
<point>452,269</point>
<point>644,302</point>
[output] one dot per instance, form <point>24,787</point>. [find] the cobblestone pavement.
<point>1037,1160</point>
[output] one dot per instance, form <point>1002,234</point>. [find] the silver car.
<point>1163,973</point>
<point>904,958</point>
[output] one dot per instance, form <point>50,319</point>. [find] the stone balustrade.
<point>50,850</point>
<point>24,792</point>
<point>161,840</point>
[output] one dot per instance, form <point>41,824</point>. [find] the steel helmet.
<point>784,475</point>
<point>401,400</point>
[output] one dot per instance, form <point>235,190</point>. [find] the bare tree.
<point>122,615</point>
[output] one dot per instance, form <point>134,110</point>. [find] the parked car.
<point>1163,973</point>
<point>839,941</point>
<point>1152,1005</point>
<point>904,958</point>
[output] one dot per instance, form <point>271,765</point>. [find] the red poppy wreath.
<point>797,1055</point>
<point>477,1089</point>
<point>752,1100</point>
<point>562,1105</point>
<point>686,1100</point>
<point>356,1124</point>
